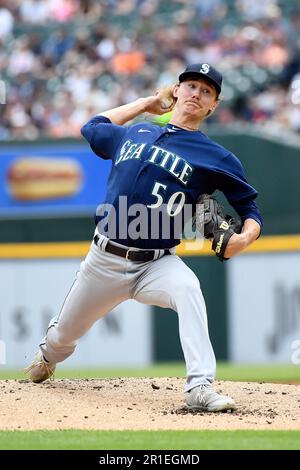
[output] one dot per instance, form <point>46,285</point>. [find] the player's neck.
<point>183,126</point>
<point>184,123</point>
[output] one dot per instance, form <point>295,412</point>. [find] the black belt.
<point>132,255</point>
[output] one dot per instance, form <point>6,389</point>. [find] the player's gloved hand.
<point>215,224</point>
<point>162,102</point>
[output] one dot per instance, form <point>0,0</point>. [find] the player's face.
<point>196,97</point>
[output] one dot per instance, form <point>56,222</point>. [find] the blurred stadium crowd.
<point>63,61</point>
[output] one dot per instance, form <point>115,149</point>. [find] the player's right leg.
<point>100,285</point>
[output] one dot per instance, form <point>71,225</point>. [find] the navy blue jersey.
<point>164,169</point>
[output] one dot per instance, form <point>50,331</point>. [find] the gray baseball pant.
<point>105,280</point>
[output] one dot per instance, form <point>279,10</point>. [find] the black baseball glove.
<point>214,224</point>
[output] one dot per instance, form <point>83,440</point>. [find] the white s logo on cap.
<point>205,68</point>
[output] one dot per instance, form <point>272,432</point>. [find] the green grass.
<point>144,440</point>
<point>225,371</point>
<point>259,372</point>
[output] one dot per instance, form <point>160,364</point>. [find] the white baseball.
<point>166,103</point>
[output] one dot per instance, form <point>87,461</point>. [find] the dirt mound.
<point>142,403</point>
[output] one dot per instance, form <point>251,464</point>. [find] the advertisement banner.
<point>34,291</point>
<point>264,308</point>
<point>51,179</point>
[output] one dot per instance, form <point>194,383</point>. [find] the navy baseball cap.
<point>204,70</point>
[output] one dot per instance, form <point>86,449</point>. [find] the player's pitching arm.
<point>160,103</point>
<point>238,242</point>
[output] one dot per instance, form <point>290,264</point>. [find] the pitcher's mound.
<point>142,403</point>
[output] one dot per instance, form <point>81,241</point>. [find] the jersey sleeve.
<point>231,180</point>
<point>247,209</point>
<point>103,136</point>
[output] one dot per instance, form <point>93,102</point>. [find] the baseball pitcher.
<point>157,175</point>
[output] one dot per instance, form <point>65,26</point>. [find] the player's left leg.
<point>168,282</point>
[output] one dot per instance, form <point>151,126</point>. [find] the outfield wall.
<point>252,300</point>
<point>253,305</point>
